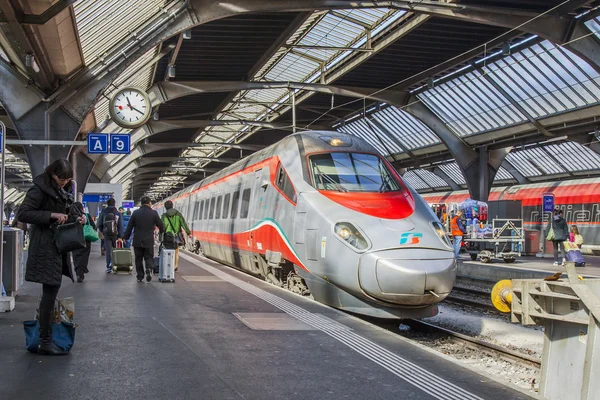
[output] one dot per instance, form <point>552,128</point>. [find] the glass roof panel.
<point>411,132</point>
<point>363,130</point>
<point>543,78</point>
<point>103,24</point>
<point>522,164</point>
<point>432,179</point>
<point>503,175</point>
<point>594,25</point>
<point>415,181</point>
<point>585,160</point>
<point>453,171</point>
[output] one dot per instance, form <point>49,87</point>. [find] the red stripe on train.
<point>266,237</point>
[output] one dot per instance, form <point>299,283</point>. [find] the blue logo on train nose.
<point>410,238</point>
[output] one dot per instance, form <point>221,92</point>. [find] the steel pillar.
<point>478,167</point>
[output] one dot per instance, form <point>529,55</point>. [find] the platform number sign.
<point>120,144</point>
<point>97,143</point>
<point>548,202</point>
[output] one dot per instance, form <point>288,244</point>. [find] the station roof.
<point>491,86</point>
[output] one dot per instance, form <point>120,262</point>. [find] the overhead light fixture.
<point>187,34</point>
<point>506,49</point>
<point>171,71</point>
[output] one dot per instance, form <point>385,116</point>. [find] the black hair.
<point>145,200</point>
<point>111,202</point>
<point>61,168</point>
<point>78,206</point>
<point>168,204</point>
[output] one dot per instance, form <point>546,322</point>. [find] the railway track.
<point>476,298</point>
<point>474,343</point>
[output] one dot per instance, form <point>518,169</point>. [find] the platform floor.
<point>592,265</point>
<point>219,334</point>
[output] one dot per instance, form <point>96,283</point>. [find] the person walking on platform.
<point>458,231</point>
<point>144,220</point>
<point>100,234</point>
<point>126,217</point>
<point>81,257</point>
<point>174,223</point>
<point>110,224</point>
<point>558,232</point>
<point>48,202</point>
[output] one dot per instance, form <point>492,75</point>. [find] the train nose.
<point>408,276</point>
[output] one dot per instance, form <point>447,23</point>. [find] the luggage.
<point>574,254</point>
<point>169,241</point>
<point>166,266</point>
<point>121,259</point>
<point>156,264</point>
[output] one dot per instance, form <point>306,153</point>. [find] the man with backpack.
<point>110,223</point>
<point>144,220</point>
<point>174,223</point>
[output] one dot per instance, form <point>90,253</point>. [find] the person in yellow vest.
<point>457,229</point>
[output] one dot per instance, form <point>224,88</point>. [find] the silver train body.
<point>323,214</point>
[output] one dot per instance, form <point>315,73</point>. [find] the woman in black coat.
<point>49,201</point>
<point>561,234</point>
<point>81,257</point>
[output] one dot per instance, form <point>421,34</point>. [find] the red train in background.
<point>579,200</point>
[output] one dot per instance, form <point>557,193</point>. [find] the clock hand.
<point>128,102</point>
<point>135,109</point>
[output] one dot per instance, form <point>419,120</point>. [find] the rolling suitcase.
<point>574,254</point>
<point>121,259</point>
<point>166,266</point>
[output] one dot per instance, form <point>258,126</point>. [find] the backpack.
<point>111,229</point>
<point>169,241</point>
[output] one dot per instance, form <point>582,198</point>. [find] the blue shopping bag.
<point>63,335</point>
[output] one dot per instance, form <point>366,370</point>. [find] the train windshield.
<point>351,172</point>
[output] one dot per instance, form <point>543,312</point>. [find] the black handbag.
<point>69,237</point>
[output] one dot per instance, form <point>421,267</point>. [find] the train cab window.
<point>218,209</point>
<point>201,210</point>
<point>245,203</point>
<point>352,172</point>
<point>226,205</point>
<point>284,184</point>
<point>235,200</point>
<point>211,213</point>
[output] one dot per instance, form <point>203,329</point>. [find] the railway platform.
<point>217,333</point>
<point>487,274</point>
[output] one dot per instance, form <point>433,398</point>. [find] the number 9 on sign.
<point>120,144</point>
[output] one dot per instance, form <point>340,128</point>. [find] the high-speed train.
<point>323,214</point>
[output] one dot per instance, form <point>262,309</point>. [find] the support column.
<point>478,167</point>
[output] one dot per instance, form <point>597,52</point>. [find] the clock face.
<point>130,108</point>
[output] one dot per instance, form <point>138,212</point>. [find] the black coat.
<point>561,230</point>
<point>144,220</point>
<point>44,263</point>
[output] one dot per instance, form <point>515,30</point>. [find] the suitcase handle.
<point>119,243</point>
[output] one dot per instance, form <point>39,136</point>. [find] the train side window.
<point>218,210</point>
<point>211,213</point>
<point>284,183</point>
<point>201,210</point>
<point>206,207</point>
<point>226,206</point>
<point>245,203</point>
<point>235,200</point>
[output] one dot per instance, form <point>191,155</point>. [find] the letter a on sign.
<point>98,146</point>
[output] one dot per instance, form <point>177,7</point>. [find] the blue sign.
<point>127,204</point>
<point>1,139</point>
<point>120,144</point>
<point>548,202</point>
<point>98,143</point>
<point>96,198</point>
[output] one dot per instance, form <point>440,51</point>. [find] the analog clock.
<point>130,108</point>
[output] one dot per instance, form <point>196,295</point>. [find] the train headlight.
<point>351,235</point>
<point>441,232</point>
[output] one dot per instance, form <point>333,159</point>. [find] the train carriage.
<point>322,213</point>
